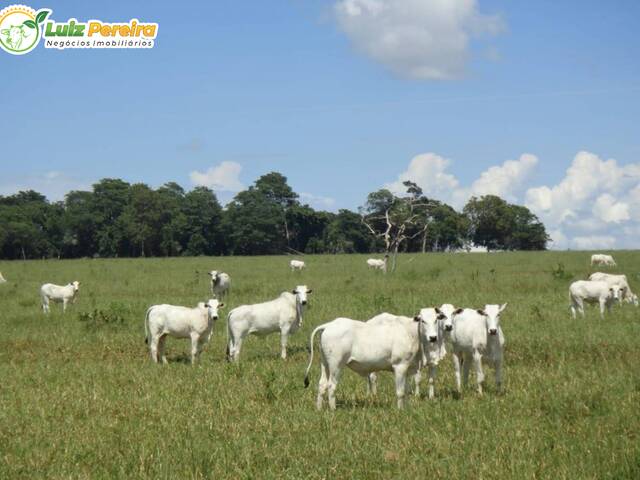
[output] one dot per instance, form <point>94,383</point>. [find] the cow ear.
<point>416,318</point>
<point>481,312</point>
<point>220,305</point>
<point>438,310</point>
<point>294,291</point>
<point>458,311</point>
<point>310,290</point>
<point>504,305</point>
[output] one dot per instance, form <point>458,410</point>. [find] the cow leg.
<point>466,366</point>
<point>284,337</point>
<point>603,303</point>
<point>154,340</point>
<point>417,378</point>
<point>372,384</point>
<point>456,369</point>
<point>195,347</point>
<point>498,367</point>
<point>161,342</point>
<point>400,372</point>
<point>45,304</point>
<point>477,361</point>
<point>334,377</point>
<point>64,305</point>
<point>323,383</point>
<point>433,370</point>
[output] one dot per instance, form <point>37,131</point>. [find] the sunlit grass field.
<point>80,398</point>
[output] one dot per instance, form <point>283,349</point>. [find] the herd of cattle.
<point>386,342</point>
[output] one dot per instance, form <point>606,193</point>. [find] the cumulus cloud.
<point>429,171</point>
<point>593,207</point>
<point>53,184</point>
<point>418,39</point>
<point>221,178</point>
<point>596,205</point>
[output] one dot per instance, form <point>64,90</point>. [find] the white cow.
<point>2,280</point>
<point>378,264</point>
<point>435,351</point>
<point>621,280</point>
<point>397,344</point>
<point>180,322</point>
<point>592,291</point>
<point>284,315</point>
<point>296,265</point>
<point>56,293</point>
<point>220,284</point>
<point>477,335</point>
<point>601,259</point>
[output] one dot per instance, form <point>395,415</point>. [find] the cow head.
<point>212,307</point>
<point>429,319</point>
<point>14,36</point>
<point>492,316</point>
<point>449,311</point>
<point>616,292</point>
<point>76,286</point>
<point>301,292</point>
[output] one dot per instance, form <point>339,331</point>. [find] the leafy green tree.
<point>203,218</point>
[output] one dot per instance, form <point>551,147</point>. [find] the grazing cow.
<point>621,280</point>
<point>477,335</point>
<point>180,322</point>
<point>435,351</point>
<point>377,264</point>
<point>14,36</point>
<point>593,291</point>
<point>220,284</point>
<point>296,265</point>
<point>284,315</point>
<point>56,293</point>
<point>2,280</point>
<point>600,259</point>
<point>398,345</point>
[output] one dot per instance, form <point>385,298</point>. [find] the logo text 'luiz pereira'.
<point>22,27</point>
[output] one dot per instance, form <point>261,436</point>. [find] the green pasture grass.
<point>80,397</point>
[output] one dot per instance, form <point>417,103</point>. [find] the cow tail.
<point>306,373</point>
<point>146,325</point>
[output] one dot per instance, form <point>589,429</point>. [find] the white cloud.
<point>318,201</point>
<point>429,171</point>
<point>221,178</point>
<point>419,39</point>
<point>595,206</point>
<point>53,184</point>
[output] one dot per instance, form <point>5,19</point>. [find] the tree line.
<point>119,219</point>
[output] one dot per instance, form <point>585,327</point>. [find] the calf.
<point>220,284</point>
<point>434,353</point>
<point>621,280</point>
<point>601,259</point>
<point>284,315</point>
<point>593,291</point>
<point>180,322</point>
<point>296,265</point>
<point>56,293</point>
<point>377,264</point>
<point>398,345</point>
<point>476,335</point>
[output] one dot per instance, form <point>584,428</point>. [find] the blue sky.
<point>536,101</point>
